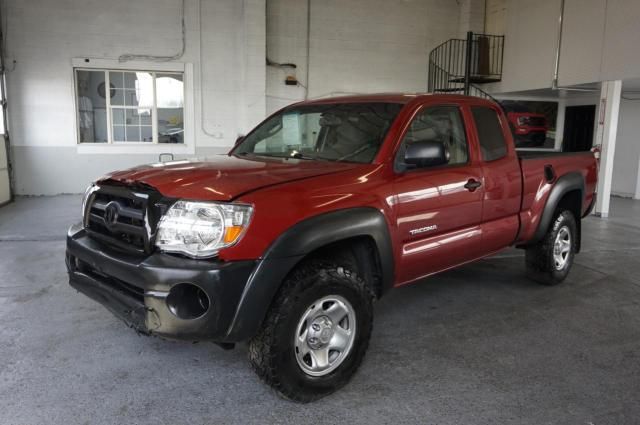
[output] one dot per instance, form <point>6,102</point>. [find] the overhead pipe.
<point>306,88</point>
<point>270,62</point>
<point>554,83</point>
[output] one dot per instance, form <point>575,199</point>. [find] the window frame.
<point>136,147</point>
<point>109,107</point>
<point>398,162</point>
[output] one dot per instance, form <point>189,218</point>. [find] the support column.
<point>637,191</point>
<point>606,138</point>
<point>562,106</point>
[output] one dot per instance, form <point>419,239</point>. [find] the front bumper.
<point>530,138</point>
<point>135,288</point>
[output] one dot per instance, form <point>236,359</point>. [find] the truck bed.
<point>537,183</point>
<point>532,154</point>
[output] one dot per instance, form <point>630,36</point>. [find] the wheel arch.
<point>359,254</point>
<point>568,192</point>
<point>362,232</point>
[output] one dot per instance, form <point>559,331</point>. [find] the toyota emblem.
<point>111,213</point>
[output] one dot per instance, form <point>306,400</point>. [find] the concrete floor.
<point>478,345</point>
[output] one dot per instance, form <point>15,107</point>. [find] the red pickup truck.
<point>286,241</point>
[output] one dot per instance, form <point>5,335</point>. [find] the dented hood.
<point>223,177</point>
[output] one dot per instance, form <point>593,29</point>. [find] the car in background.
<point>171,135</point>
<point>529,128</point>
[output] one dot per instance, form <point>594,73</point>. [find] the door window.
<point>441,124</point>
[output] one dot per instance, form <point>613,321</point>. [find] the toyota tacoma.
<point>286,241</point>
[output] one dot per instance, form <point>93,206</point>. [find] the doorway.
<point>5,193</point>
<point>578,128</point>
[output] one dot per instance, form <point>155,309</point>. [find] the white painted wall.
<point>530,40</point>
<point>622,38</point>
<point>286,43</point>
<point>225,55</point>
<point>357,46</point>
<point>5,194</point>
<point>582,40</point>
<point>597,43</point>
<point>5,188</point>
<point>496,17</point>
<point>627,156</point>
<point>597,40</point>
<point>472,17</point>
<point>598,37</point>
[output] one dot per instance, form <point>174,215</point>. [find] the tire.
<point>275,352</point>
<point>549,261</point>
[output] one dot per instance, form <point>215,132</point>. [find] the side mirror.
<point>426,153</point>
<point>239,140</point>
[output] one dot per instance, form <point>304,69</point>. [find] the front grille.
<point>536,121</point>
<point>123,217</point>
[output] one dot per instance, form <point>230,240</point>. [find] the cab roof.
<point>401,98</point>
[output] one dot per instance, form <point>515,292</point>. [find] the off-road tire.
<point>271,351</point>
<point>539,258</point>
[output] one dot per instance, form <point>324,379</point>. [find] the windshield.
<point>514,106</point>
<point>350,132</point>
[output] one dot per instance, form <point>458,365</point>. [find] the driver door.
<point>438,209</point>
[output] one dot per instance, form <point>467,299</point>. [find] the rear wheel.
<point>550,260</point>
<point>316,333</point>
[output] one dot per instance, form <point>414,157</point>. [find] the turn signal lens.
<point>232,233</point>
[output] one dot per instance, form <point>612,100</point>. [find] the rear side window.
<point>492,143</point>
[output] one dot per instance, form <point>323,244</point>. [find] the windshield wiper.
<point>354,153</point>
<point>260,154</point>
<point>292,155</point>
<point>300,155</point>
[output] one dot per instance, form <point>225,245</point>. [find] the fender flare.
<point>565,184</point>
<point>292,246</point>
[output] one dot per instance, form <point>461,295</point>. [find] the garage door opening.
<point>578,128</point>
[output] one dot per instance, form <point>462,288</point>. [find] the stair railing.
<point>460,64</point>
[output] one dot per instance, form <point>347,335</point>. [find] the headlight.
<point>201,229</point>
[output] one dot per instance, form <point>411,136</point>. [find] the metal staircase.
<point>460,65</point>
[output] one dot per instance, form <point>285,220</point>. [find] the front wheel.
<point>316,332</point>
<point>550,260</point>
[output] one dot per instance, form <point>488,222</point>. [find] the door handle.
<point>472,185</point>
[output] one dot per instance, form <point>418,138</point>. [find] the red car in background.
<point>529,128</point>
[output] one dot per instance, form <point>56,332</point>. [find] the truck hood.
<point>223,177</point>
